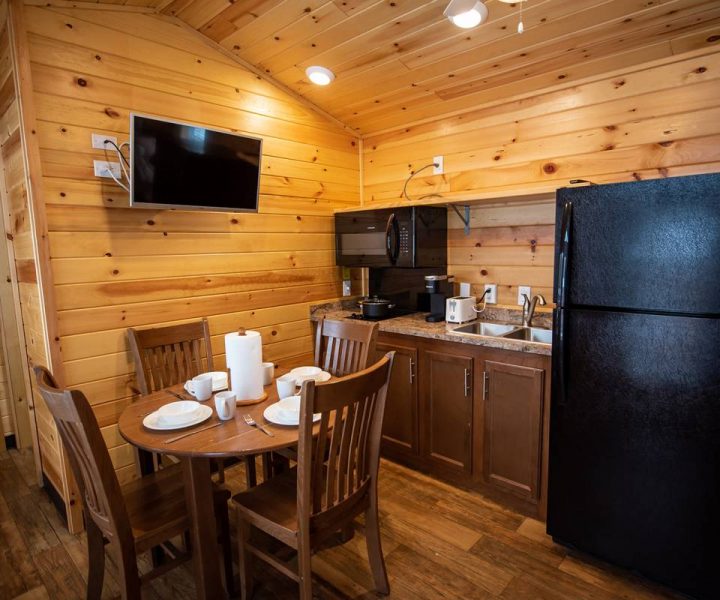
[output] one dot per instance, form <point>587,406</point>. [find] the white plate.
<point>153,420</point>
<point>275,413</point>
<point>219,381</point>
<point>305,371</point>
<point>319,378</point>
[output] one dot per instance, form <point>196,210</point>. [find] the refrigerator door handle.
<point>564,255</point>
<point>558,358</point>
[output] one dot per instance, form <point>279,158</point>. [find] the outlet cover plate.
<point>102,167</point>
<point>440,169</point>
<point>524,289</point>
<point>491,296</point>
<point>98,141</point>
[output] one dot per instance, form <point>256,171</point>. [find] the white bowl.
<point>179,412</point>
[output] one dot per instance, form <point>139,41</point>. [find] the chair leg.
<point>374,548</point>
<point>128,576</point>
<point>304,567</point>
<point>244,558</point>
<point>221,470</point>
<point>223,524</point>
<point>96,560</point>
<point>250,471</point>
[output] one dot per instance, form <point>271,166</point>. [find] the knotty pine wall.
<point>656,121</point>
<point>7,427</point>
<point>116,267</point>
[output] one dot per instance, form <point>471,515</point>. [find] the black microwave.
<point>410,237</point>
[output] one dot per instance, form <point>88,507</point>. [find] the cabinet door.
<point>513,402</point>
<point>447,398</point>
<point>400,425</point>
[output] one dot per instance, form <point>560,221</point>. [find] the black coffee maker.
<point>439,288</point>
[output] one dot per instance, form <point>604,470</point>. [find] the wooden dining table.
<point>232,438</point>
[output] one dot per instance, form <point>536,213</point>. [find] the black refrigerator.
<point>635,417</point>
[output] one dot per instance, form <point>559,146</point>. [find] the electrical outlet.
<point>440,169</point>
<point>98,141</point>
<point>347,287</point>
<point>524,289</point>
<point>491,296</point>
<point>103,166</point>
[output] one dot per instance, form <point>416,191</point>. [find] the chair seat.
<point>156,506</point>
<point>272,504</point>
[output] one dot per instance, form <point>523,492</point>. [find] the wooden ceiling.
<point>399,62</point>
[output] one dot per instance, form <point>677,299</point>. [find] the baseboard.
<point>55,497</point>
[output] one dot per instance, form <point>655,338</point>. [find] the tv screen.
<point>175,165</point>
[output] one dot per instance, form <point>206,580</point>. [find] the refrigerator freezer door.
<point>635,443</point>
<point>649,245</point>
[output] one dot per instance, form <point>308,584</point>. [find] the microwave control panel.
<point>404,239</point>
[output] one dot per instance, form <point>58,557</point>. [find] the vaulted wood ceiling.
<point>398,62</point>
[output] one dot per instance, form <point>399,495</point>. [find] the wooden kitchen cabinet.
<point>513,427</point>
<point>472,415</point>
<point>446,397</point>
<point>400,436</point>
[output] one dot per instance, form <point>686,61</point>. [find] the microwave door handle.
<point>390,228</point>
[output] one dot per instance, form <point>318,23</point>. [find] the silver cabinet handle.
<point>467,382</point>
<point>412,370</point>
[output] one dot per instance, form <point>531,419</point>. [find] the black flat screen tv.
<point>182,166</point>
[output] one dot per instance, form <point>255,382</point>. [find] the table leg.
<point>203,533</point>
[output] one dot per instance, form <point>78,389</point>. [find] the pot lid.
<point>374,300</point>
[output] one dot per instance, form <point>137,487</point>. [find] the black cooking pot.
<point>375,308</point>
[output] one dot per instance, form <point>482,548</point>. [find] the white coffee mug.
<point>268,372</point>
<point>200,386</point>
<point>285,386</point>
<point>225,405</point>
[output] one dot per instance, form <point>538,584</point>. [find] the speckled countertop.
<point>415,324</point>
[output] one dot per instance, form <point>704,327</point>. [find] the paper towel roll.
<point>243,355</point>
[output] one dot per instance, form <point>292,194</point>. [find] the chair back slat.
<point>351,410</point>
<point>166,356</point>
<point>344,347</point>
<point>88,455</point>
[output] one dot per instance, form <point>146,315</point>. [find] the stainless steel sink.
<point>491,329</point>
<point>531,334</point>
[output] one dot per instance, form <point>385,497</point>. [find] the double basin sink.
<point>509,332</point>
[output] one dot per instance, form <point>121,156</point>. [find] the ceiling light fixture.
<point>521,25</point>
<point>320,75</point>
<point>466,13</point>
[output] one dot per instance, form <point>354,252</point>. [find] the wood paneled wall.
<point>116,267</point>
<point>22,223</point>
<point>661,120</point>
<point>658,120</point>
<point>7,426</point>
<point>509,244</point>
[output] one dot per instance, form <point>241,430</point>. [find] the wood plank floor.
<point>439,542</point>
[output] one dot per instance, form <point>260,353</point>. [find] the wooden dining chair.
<point>133,518</point>
<point>341,348</point>
<point>335,479</point>
<point>166,356</point>
<point>344,347</point>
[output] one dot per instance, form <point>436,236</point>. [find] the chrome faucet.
<point>529,308</point>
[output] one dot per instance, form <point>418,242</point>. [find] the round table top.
<point>231,438</point>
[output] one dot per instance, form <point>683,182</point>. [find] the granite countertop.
<point>415,324</point>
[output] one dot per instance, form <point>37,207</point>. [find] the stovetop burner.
<point>396,312</point>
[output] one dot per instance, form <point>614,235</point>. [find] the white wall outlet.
<point>98,141</point>
<point>491,296</point>
<point>440,168</point>
<point>524,289</point>
<point>347,287</point>
<point>464,289</point>
<point>103,166</point>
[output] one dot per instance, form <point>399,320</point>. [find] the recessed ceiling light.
<point>320,75</point>
<point>466,13</point>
